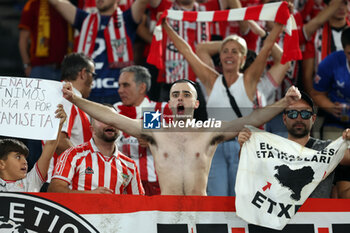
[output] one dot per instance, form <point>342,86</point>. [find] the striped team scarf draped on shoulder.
<point>118,44</point>
<point>277,12</point>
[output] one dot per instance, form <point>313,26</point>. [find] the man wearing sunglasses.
<point>299,118</point>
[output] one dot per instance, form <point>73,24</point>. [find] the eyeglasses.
<point>94,75</point>
<point>293,114</point>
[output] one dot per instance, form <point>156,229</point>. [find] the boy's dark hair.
<point>345,37</point>
<point>12,145</point>
<point>326,2</point>
<point>72,64</point>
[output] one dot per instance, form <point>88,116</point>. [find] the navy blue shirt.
<point>105,86</point>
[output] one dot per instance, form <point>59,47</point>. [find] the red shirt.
<point>58,41</point>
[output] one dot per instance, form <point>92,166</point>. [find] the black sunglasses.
<point>293,114</point>
<point>94,75</point>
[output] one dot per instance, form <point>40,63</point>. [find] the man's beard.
<point>298,133</point>
<point>109,138</point>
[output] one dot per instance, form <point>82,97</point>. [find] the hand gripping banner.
<point>276,175</point>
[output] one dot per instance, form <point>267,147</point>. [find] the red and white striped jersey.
<point>85,168</point>
<point>129,145</point>
<point>176,67</point>
<point>325,41</point>
<point>77,127</point>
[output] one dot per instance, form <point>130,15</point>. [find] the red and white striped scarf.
<point>118,44</point>
<point>277,12</point>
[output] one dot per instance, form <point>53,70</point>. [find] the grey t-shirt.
<point>324,189</point>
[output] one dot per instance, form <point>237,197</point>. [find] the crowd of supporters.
<point>241,57</point>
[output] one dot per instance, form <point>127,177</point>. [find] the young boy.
<point>13,163</point>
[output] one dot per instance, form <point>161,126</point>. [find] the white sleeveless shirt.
<point>218,104</point>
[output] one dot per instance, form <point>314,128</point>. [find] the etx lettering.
<point>259,199</point>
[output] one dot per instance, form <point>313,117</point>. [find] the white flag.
<point>276,176</point>
<point>27,107</point>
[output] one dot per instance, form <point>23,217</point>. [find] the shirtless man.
<point>182,157</point>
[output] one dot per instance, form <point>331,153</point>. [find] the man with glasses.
<point>299,118</point>
<point>79,69</point>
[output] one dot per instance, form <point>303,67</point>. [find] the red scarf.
<point>277,12</point>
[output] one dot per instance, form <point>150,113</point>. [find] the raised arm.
<point>308,69</point>
<point>322,100</point>
<point>206,50</point>
<point>310,28</point>
<point>143,30</point>
<point>206,74</point>
<point>64,143</point>
<point>346,158</point>
<point>253,73</point>
<point>23,44</point>
<point>50,146</point>
<point>277,70</point>
<point>138,9</point>
<point>66,9</point>
<point>103,113</point>
<point>259,116</point>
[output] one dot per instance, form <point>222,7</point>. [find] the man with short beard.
<point>299,118</point>
<point>182,154</point>
<point>96,166</point>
